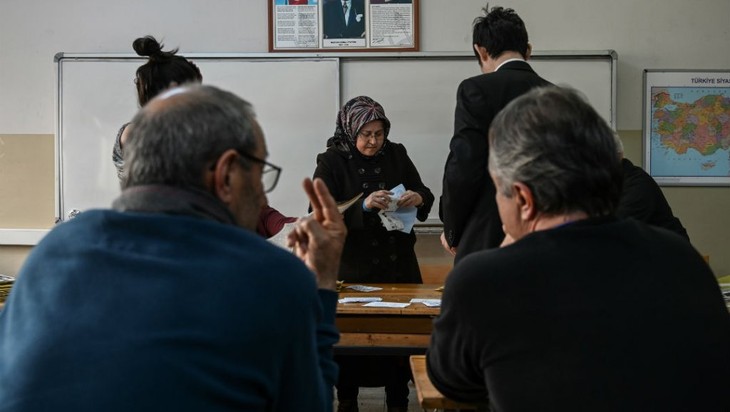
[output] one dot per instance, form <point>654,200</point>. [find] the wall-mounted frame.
<point>343,25</point>
<point>686,127</point>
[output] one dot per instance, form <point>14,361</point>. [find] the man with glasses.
<point>169,301</point>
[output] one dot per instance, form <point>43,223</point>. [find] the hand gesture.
<point>319,238</point>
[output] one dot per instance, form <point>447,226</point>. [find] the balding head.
<point>176,137</point>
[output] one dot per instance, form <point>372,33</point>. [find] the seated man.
<point>643,199</point>
<point>584,311</point>
<point>170,301</point>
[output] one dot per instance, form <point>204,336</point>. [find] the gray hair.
<point>173,141</point>
<point>553,141</point>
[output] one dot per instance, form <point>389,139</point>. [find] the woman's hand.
<point>410,198</point>
<point>378,200</point>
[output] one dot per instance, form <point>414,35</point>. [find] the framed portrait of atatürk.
<point>343,25</point>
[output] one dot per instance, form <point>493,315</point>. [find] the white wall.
<point>646,34</point>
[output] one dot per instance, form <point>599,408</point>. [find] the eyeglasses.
<point>367,134</point>
<point>270,174</point>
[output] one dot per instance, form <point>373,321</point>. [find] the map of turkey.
<point>702,124</point>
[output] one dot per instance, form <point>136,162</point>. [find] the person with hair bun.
<point>163,70</point>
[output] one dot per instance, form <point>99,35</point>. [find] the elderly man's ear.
<point>221,177</point>
<point>525,201</point>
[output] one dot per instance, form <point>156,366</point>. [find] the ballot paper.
<point>363,288</point>
<point>359,300</point>
<point>280,239</point>
<point>386,305</point>
<point>395,218</point>
<point>431,303</point>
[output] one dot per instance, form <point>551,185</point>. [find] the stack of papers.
<point>6,282</point>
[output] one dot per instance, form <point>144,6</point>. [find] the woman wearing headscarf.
<point>361,159</point>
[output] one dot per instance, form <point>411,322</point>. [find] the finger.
<point>327,203</point>
<point>313,198</point>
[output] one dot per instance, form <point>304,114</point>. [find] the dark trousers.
<point>393,372</point>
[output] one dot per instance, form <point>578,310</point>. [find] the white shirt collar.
<point>507,61</point>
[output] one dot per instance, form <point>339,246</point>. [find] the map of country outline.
<point>703,125</point>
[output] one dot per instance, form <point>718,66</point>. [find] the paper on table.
<point>363,288</point>
<point>359,300</point>
<point>386,305</point>
<point>280,239</point>
<point>431,303</point>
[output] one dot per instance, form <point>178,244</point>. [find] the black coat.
<point>373,254</point>
<point>467,208</point>
<point>642,199</point>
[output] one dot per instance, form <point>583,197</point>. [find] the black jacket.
<point>467,208</point>
<point>371,253</point>
<point>642,199</point>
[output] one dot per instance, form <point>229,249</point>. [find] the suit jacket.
<point>467,206</point>
<point>643,200</point>
<point>599,315</point>
<point>334,20</point>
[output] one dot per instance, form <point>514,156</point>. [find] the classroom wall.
<point>647,34</point>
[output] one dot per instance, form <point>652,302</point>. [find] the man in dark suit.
<point>344,19</point>
<point>584,311</point>
<point>467,208</point>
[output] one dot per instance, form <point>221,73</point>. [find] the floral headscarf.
<point>354,115</point>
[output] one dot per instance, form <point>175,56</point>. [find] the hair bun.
<point>147,46</point>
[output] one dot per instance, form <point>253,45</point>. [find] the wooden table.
<point>395,331</point>
<point>428,396</point>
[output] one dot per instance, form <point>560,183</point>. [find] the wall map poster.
<point>350,25</point>
<point>687,127</point>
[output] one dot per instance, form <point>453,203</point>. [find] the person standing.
<point>467,207</point>
<point>361,159</point>
<point>165,69</point>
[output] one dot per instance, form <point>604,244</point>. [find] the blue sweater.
<point>131,311</point>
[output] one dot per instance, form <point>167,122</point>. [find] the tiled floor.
<point>373,400</point>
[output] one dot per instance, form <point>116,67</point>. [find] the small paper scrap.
<point>359,300</point>
<point>363,288</point>
<point>386,305</point>
<point>431,303</point>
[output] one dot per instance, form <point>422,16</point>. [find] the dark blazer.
<point>467,206</point>
<point>334,20</point>
<point>373,254</point>
<point>642,199</point>
<point>598,315</point>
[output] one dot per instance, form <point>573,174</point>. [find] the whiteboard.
<point>419,97</point>
<point>295,102</point>
<point>296,98</point>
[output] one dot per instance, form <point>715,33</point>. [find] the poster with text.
<point>349,25</point>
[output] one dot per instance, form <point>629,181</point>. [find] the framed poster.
<point>337,25</point>
<point>686,127</point>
